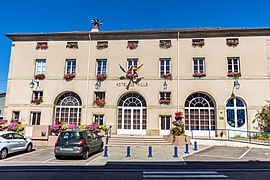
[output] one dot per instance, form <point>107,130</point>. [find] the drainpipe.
<point>87,77</point>
<point>178,69</point>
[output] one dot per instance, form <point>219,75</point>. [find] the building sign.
<point>124,84</point>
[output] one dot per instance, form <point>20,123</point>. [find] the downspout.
<point>178,69</point>
<point>87,77</point>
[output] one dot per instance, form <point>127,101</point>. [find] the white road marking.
<point>92,160</point>
<point>245,153</point>
<point>16,156</point>
<point>224,157</point>
<point>48,160</point>
<point>183,161</point>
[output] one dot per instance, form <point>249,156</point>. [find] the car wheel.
<point>101,147</point>
<point>58,157</point>
<point>29,147</point>
<point>4,153</point>
<point>85,154</point>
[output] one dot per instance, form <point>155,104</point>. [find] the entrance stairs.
<point>137,140</point>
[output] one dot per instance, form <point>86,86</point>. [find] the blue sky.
<point>32,16</point>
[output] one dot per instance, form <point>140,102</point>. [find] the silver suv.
<point>11,142</point>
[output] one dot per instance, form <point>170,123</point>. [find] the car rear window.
<point>70,135</point>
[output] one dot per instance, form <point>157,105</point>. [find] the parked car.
<point>11,142</point>
<point>79,142</point>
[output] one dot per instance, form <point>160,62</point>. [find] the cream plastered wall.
<point>254,81</point>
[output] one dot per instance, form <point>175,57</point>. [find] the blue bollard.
<point>105,151</point>
<point>195,146</point>
<point>186,152</point>
<point>128,152</point>
<point>107,139</point>
<point>150,152</point>
<point>175,152</point>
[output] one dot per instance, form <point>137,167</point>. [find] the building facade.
<point>2,103</point>
<point>136,80</point>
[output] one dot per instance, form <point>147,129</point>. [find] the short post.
<point>150,152</point>
<point>228,134</point>
<point>209,133</point>
<point>128,151</point>
<point>191,133</point>
<point>249,136</point>
<point>195,146</point>
<point>186,152</point>
<point>105,151</point>
<point>175,152</point>
<point>269,140</point>
<point>107,139</point>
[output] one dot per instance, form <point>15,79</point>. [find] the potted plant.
<point>232,42</point>
<point>164,101</point>
<point>69,77</point>
<point>37,101</point>
<point>100,102</point>
<point>40,76</point>
<point>167,76</point>
<point>234,74</point>
<point>15,126</point>
<point>165,44</point>
<point>42,45</point>
<point>72,45</point>
<point>199,74</point>
<point>102,45</point>
<point>101,77</point>
<point>132,45</point>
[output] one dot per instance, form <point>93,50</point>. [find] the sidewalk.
<point>139,155</point>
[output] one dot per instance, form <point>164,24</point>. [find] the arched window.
<point>68,109</point>
<point>199,112</point>
<point>236,112</point>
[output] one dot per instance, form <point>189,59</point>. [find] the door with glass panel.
<point>165,125</point>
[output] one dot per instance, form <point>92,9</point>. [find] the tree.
<point>263,118</point>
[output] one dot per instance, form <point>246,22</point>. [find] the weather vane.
<point>131,74</point>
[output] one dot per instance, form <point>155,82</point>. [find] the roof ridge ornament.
<point>96,23</point>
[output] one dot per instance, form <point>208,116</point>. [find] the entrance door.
<point>165,125</point>
<point>131,115</point>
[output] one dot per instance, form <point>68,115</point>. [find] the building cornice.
<point>141,34</point>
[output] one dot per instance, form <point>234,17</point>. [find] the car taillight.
<point>81,143</point>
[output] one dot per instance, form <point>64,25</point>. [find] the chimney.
<point>96,23</point>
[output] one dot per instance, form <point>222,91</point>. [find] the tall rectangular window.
<point>233,64</point>
<point>164,66</point>
<point>99,119</point>
<point>165,122</point>
<point>165,95</point>
<point>100,95</point>
<point>35,118</point>
<point>132,62</point>
<point>198,65</point>
<point>101,66</point>
<point>37,95</point>
<point>40,66</point>
<point>71,66</point>
<point>15,115</point>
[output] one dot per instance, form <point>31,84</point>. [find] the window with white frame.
<point>198,65</point>
<point>165,95</point>
<point>101,66</point>
<point>165,122</point>
<point>70,66</point>
<point>35,118</point>
<point>37,95</point>
<point>15,115</point>
<point>98,119</point>
<point>164,66</point>
<point>100,95</point>
<point>132,62</point>
<point>233,64</point>
<point>40,66</point>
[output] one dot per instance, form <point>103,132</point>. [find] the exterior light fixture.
<point>236,84</point>
<point>98,85</point>
<point>165,85</point>
<point>32,84</point>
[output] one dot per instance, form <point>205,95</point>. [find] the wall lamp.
<point>98,85</point>
<point>165,85</point>
<point>33,83</point>
<point>236,85</point>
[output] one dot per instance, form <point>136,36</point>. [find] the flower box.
<point>199,74</point>
<point>102,45</point>
<point>234,74</point>
<point>40,76</point>
<point>42,46</point>
<point>178,115</point>
<point>101,77</point>
<point>164,101</point>
<point>177,140</point>
<point>69,77</point>
<point>72,45</point>
<point>165,44</point>
<point>198,42</point>
<point>100,102</point>
<point>232,42</point>
<point>37,101</point>
<point>132,44</point>
<point>167,76</point>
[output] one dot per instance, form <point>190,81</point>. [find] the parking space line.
<point>184,162</point>
<point>92,160</point>
<point>16,156</point>
<point>48,160</point>
<point>245,153</point>
<point>224,157</point>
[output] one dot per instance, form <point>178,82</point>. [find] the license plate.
<point>66,149</point>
